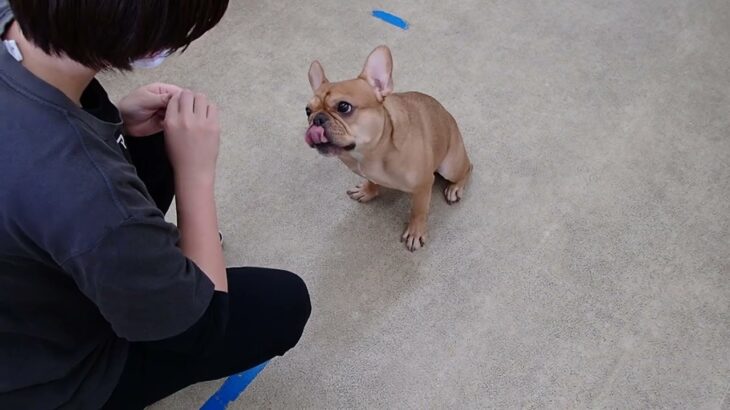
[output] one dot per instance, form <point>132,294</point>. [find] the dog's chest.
<point>353,160</point>
<point>373,171</point>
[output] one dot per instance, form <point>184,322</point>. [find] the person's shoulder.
<point>16,100</point>
<point>60,165</point>
<point>44,145</point>
<point>36,136</point>
<point>61,181</point>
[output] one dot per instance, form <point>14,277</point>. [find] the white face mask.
<point>152,61</point>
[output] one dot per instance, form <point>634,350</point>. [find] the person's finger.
<point>163,88</point>
<point>201,105</point>
<point>213,112</point>
<point>173,108</point>
<point>187,100</point>
<point>164,92</point>
<point>148,101</point>
<point>151,103</point>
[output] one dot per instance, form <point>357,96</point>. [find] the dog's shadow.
<point>365,272</point>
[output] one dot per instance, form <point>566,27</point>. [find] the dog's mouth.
<point>316,137</point>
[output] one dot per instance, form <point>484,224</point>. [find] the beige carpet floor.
<point>587,267</point>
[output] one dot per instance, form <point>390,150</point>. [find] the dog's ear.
<point>316,76</point>
<point>378,71</point>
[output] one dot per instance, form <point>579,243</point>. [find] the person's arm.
<point>190,125</point>
<point>143,112</point>
<point>192,139</point>
<point>205,336</point>
<point>198,224</point>
<point>143,283</point>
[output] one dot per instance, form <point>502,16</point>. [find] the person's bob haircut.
<point>109,34</point>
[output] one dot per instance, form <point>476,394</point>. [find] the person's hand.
<point>143,110</point>
<point>192,136</point>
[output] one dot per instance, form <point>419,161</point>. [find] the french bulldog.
<point>392,140</point>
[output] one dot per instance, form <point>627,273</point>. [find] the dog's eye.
<point>344,107</point>
<point>308,111</point>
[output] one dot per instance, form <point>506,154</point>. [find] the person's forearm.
<point>198,225</point>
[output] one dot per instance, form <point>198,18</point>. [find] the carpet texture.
<point>587,266</point>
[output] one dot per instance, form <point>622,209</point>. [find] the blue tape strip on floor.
<point>232,388</point>
<point>391,19</point>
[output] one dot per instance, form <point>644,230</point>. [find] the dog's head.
<point>349,114</point>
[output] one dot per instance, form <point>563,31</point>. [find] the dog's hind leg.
<point>456,169</point>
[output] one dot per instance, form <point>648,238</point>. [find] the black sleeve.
<point>142,283</point>
<point>205,336</point>
<point>149,156</point>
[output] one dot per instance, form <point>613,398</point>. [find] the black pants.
<point>268,310</point>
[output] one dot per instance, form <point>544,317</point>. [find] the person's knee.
<point>297,311</point>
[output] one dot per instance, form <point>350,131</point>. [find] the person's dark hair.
<point>103,34</point>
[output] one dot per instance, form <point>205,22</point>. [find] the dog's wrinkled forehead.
<point>356,92</point>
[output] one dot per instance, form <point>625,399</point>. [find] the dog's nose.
<point>320,119</point>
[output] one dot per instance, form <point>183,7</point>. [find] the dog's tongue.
<point>315,135</point>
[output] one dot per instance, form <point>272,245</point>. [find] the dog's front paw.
<point>415,236</point>
<point>365,192</point>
